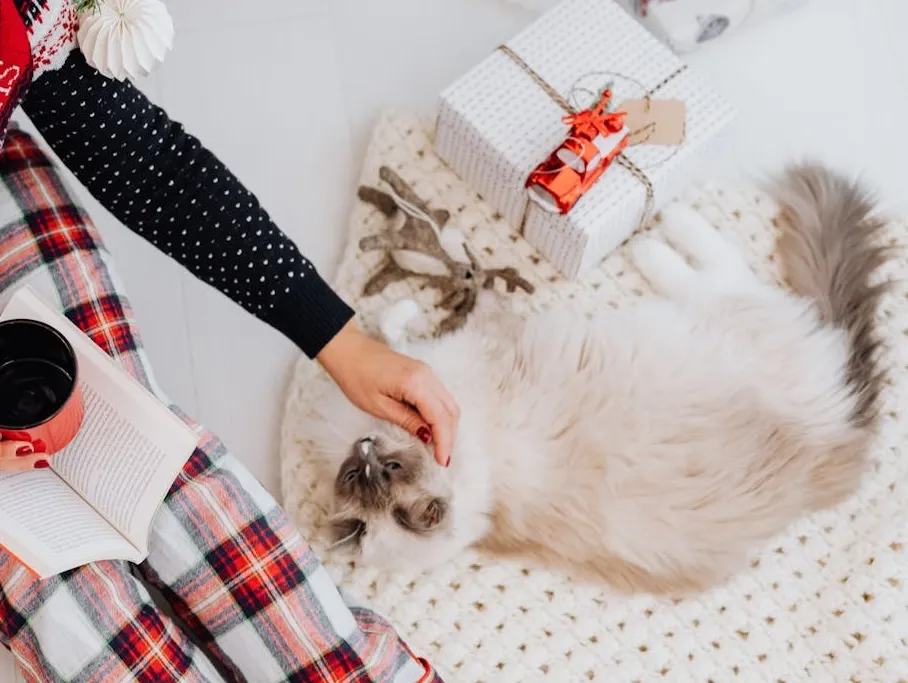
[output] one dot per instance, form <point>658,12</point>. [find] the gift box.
<point>497,124</point>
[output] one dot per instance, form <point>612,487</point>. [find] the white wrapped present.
<point>501,120</point>
<point>687,24</point>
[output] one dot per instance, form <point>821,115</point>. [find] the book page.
<point>51,529</point>
<point>130,447</point>
<point>115,465</point>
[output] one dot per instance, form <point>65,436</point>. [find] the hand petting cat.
<point>392,387</point>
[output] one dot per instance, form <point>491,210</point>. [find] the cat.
<point>655,447</point>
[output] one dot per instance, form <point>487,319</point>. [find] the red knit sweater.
<point>35,36</point>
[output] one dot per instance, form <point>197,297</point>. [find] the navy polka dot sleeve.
<point>163,184</point>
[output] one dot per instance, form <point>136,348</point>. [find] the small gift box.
<point>687,24</point>
<point>578,129</point>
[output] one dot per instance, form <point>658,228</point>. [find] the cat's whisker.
<point>344,541</point>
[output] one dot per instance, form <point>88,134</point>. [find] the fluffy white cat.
<point>653,447</point>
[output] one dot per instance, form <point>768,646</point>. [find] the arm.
<point>163,184</point>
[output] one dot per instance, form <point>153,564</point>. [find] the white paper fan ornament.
<point>125,38</point>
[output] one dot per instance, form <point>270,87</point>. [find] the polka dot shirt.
<point>160,182</point>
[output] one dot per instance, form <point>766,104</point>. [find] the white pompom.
<point>397,320</point>
<point>125,38</point>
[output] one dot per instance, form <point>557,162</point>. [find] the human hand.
<point>19,456</point>
<point>392,387</point>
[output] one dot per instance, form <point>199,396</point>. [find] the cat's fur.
<point>655,447</point>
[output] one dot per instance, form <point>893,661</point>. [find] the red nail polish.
<point>448,462</point>
<point>42,464</point>
<point>24,450</point>
<point>424,435</point>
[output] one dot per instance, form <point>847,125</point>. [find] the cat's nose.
<point>366,448</point>
<point>369,453</point>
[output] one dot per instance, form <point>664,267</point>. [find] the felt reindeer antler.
<point>416,249</point>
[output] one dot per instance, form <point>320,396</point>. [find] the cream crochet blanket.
<point>827,601</point>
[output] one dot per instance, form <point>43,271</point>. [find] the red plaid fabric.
<point>239,577</point>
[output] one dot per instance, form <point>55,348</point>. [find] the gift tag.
<point>655,122</point>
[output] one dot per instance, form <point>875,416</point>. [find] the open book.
<point>98,499</point>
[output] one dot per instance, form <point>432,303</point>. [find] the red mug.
<point>40,398</point>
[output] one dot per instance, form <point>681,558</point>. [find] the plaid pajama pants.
<point>223,554</point>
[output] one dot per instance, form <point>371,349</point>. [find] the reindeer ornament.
<point>417,244</point>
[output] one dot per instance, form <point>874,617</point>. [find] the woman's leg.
<point>241,577</point>
<point>97,623</point>
<point>223,553</point>
<point>93,625</point>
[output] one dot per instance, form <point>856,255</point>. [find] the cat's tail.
<point>830,249</point>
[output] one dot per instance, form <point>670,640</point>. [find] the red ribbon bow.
<point>607,123</point>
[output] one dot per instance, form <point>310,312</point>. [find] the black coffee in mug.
<point>40,398</point>
<point>32,390</point>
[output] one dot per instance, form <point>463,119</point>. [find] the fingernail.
<point>424,435</point>
<point>42,464</point>
<point>24,450</point>
<point>448,461</point>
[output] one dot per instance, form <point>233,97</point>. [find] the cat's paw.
<point>665,270</point>
<point>397,320</point>
<point>699,241</point>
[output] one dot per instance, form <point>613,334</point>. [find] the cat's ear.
<point>396,321</point>
<point>422,516</point>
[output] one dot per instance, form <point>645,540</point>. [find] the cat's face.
<point>391,499</point>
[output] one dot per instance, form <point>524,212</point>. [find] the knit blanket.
<point>825,601</point>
